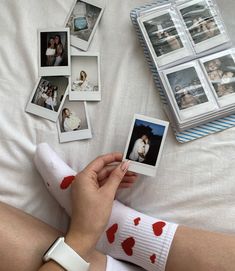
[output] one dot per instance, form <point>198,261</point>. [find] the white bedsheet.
<point>195,181</point>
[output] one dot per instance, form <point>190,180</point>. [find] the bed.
<point>195,181</point>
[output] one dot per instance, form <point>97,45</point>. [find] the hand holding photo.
<point>54,52</point>
<point>145,144</point>
<point>83,20</point>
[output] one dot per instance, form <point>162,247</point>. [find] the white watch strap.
<point>65,256</point>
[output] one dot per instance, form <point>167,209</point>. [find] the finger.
<point>126,179</point>
<point>100,162</point>
<point>116,177</point>
<point>125,185</point>
<point>105,172</point>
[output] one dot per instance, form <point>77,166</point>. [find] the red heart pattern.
<point>66,182</point>
<point>158,228</point>
<point>127,246</point>
<point>137,221</point>
<point>153,258</point>
<point>110,233</point>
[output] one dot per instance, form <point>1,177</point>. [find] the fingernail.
<point>125,165</point>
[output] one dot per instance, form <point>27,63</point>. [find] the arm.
<point>87,191</point>
<point>198,250</point>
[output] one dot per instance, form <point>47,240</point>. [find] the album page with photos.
<point>189,45</point>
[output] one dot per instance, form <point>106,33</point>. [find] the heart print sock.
<point>130,236</point>
<point>137,238</point>
<point>57,175</point>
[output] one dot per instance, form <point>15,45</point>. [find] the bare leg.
<point>24,239</point>
<point>198,250</point>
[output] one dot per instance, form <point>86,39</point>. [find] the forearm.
<point>24,239</point>
<point>198,250</point>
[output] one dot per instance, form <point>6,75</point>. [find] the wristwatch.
<point>65,256</point>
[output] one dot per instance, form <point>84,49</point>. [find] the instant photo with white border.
<point>45,54</point>
<point>185,49</point>
<point>78,116</point>
<point>221,74</point>
<point>192,88</point>
<point>76,41</point>
<point>159,129</point>
<point>211,41</point>
<point>38,107</point>
<point>85,76</point>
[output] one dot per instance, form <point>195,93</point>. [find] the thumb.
<point>116,177</point>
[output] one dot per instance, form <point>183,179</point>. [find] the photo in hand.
<point>82,21</point>
<point>145,142</point>
<point>48,96</point>
<point>73,122</point>
<point>85,76</point>
<point>54,52</point>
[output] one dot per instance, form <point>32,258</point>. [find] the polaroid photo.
<point>188,91</point>
<point>85,76</point>
<point>54,51</point>
<point>73,122</point>
<point>164,36</point>
<point>220,71</point>
<point>204,24</point>
<point>145,144</point>
<point>48,96</point>
<point>83,20</point>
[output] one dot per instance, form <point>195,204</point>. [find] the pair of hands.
<point>93,193</point>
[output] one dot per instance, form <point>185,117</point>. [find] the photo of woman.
<point>82,83</point>
<point>54,51</point>
<point>70,121</point>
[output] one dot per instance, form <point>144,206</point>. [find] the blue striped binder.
<point>193,133</point>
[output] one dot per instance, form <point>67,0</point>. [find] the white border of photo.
<point>196,110</point>
<point>54,70</point>
<point>86,95</point>
<point>80,43</point>
<point>213,41</point>
<point>139,167</point>
<point>75,135</point>
<point>176,55</point>
<point>226,100</point>
<point>42,111</point>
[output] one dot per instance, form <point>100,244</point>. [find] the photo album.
<point>68,77</point>
<point>189,47</point>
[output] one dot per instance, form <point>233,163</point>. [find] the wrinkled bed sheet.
<point>195,182</point>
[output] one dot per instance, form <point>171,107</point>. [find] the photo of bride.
<point>82,83</point>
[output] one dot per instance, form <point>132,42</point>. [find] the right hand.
<point>93,193</point>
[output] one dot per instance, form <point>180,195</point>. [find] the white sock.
<point>56,174</point>
<point>130,236</point>
<point>137,238</point>
<point>115,265</point>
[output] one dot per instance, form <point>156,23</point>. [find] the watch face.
<point>45,256</point>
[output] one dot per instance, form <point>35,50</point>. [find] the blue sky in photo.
<point>157,129</point>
